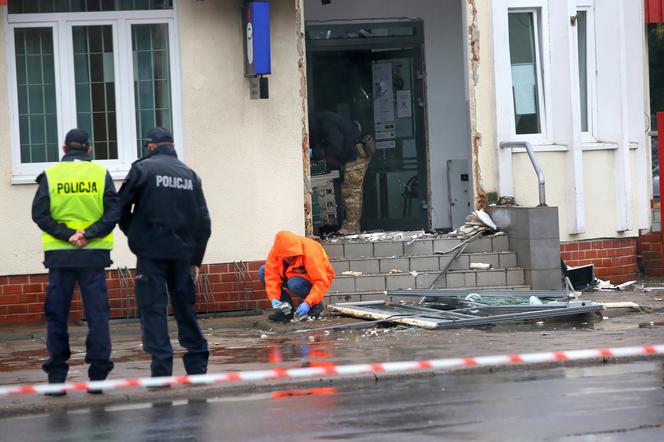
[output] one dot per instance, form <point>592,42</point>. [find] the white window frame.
<point>62,24</point>
<point>539,8</point>
<point>588,6</point>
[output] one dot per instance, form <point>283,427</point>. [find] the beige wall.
<point>249,153</point>
<point>598,165</point>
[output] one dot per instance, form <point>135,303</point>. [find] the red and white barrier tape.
<point>337,370</point>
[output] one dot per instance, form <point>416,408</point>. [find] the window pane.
<point>152,79</point>
<point>37,6</point>
<point>525,72</point>
<point>95,81</point>
<point>35,76</point>
<point>582,33</point>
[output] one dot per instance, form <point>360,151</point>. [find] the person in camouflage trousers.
<point>353,184</point>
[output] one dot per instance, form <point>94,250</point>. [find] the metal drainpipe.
<point>534,161</point>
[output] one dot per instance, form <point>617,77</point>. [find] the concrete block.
<point>501,243</point>
<point>358,250</point>
<point>369,266</point>
<point>516,277</point>
<point>544,279</point>
<point>544,254</point>
<point>395,282</point>
<point>487,258</point>
<point>424,281</point>
<point>522,249</point>
<point>455,280</point>
<point>419,247</point>
<point>370,283</point>
<point>425,263</point>
<point>507,260</point>
<point>334,250</point>
<point>491,278</point>
<point>342,284</point>
<point>543,223</point>
<point>482,244</point>
<point>387,264</point>
<point>461,263</point>
<point>388,248</point>
<point>340,266</point>
<point>443,245</point>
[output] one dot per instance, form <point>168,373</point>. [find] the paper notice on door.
<point>385,135</point>
<point>383,93</point>
<point>386,144</point>
<point>404,104</point>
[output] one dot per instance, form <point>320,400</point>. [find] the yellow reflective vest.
<point>76,190</point>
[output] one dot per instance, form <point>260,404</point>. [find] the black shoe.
<point>158,387</point>
<point>278,316</point>
<point>316,310</point>
<point>56,394</point>
<point>95,391</point>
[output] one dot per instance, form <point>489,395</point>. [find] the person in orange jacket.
<point>298,266</point>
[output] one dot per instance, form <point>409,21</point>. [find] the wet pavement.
<point>251,343</point>
<point>622,402</point>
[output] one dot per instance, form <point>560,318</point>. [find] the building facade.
<point>439,84</point>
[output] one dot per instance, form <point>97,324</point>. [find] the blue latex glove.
<point>275,303</point>
<point>302,310</point>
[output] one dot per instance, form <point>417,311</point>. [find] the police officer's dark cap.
<point>158,135</point>
<point>78,138</point>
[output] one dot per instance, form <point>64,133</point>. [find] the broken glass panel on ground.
<point>454,308</point>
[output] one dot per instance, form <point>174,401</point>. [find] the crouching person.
<point>298,266</point>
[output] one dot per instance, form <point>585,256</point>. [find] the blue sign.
<point>256,17</point>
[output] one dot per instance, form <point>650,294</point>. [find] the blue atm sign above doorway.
<point>256,21</point>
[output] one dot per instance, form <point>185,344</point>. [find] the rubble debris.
<point>351,273</point>
<point>395,271</point>
<point>583,278</point>
<point>628,305</point>
<point>479,266</point>
<point>477,222</point>
<point>447,309</point>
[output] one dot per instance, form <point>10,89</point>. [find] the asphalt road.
<point>618,402</point>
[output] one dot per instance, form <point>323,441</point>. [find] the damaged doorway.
<point>373,73</point>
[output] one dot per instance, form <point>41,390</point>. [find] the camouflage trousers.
<point>351,192</point>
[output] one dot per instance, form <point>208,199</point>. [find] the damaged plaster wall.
<point>473,53</point>
<point>482,99</point>
<point>306,164</point>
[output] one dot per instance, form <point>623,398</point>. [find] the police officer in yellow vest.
<point>76,207</point>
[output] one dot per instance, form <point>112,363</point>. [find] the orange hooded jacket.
<point>309,261</point>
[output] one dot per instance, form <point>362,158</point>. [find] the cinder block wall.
<point>22,296</point>
<point>614,259</point>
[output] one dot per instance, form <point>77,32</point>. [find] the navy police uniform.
<point>80,196</point>
<point>166,219</point>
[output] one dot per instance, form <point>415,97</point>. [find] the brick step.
<point>424,263</point>
<point>453,279</point>
<point>333,298</point>
<point>345,249</point>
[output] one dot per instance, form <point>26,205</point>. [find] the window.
<point>526,71</point>
<point>586,60</point>
<point>103,65</point>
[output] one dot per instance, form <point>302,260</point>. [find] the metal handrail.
<point>535,163</point>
